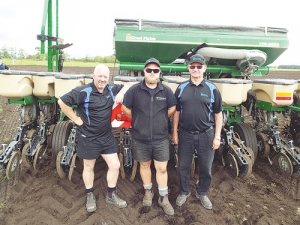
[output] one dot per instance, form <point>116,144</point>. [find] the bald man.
<point>94,103</point>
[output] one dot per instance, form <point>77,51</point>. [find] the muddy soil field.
<point>41,197</point>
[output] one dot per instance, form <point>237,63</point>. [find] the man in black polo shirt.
<point>197,124</point>
<point>95,101</point>
<point>149,104</point>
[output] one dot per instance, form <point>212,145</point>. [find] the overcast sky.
<point>89,24</point>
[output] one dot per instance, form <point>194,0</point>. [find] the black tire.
<point>60,138</point>
<point>247,134</point>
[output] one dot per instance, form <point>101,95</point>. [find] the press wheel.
<point>246,169</point>
<point>59,167</point>
<point>60,138</point>
<point>133,170</point>
<point>38,156</point>
<point>285,164</point>
<point>263,145</point>
<point>231,164</point>
<point>27,160</point>
<point>122,172</point>
<point>246,133</point>
<point>72,166</point>
<point>13,165</point>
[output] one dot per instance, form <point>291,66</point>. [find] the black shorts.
<point>87,148</point>
<point>157,150</point>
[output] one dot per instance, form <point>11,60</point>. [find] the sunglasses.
<point>198,67</point>
<point>148,70</point>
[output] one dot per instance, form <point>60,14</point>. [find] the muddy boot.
<point>204,201</point>
<point>166,205</point>
<point>115,200</point>
<point>181,199</point>
<point>147,200</point>
<point>90,202</point>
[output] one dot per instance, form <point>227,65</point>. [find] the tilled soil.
<point>41,197</point>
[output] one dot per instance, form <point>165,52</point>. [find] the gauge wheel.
<point>60,138</point>
<point>122,172</point>
<point>193,167</point>
<point>50,136</point>
<point>263,145</point>
<point>72,166</point>
<point>61,170</point>
<point>285,164</point>
<point>27,160</point>
<point>38,156</point>
<point>246,133</point>
<point>133,170</point>
<point>246,169</point>
<point>250,154</point>
<point>231,164</point>
<point>13,165</point>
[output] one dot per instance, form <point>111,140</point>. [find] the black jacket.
<point>149,113</point>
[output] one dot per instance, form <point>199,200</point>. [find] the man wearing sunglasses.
<point>197,124</point>
<point>149,104</point>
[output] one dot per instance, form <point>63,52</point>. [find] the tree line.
<point>14,53</point>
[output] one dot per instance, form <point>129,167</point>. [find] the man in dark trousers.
<point>197,124</point>
<point>94,103</point>
<point>149,104</point>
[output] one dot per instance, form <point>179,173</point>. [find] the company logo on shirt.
<point>108,96</point>
<point>160,99</point>
<point>204,95</point>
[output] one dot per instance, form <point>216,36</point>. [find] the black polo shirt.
<point>197,105</point>
<point>94,108</point>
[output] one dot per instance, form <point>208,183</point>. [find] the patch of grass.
<point>6,140</point>
<point>3,205</point>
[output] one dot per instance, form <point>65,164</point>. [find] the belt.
<point>197,131</point>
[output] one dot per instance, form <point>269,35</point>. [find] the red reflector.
<point>283,98</point>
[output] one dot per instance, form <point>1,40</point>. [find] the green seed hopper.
<point>229,50</point>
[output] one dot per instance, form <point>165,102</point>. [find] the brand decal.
<point>160,99</point>
<point>204,95</point>
<point>140,38</point>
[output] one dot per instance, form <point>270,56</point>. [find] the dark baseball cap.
<point>197,58</point>
<point>152,60</point>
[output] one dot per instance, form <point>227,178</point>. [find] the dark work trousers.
<point>205,154</point>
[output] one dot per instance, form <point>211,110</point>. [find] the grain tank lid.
<point>139,78</point>
<point>46,74</point>
<point>69,76</point>
<point>15,72</point>
<point>175,79</point>
<point>275,81</point>
<point>125,79</point>
<point>161,24</point>
<point>228,81</point>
